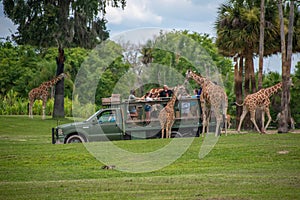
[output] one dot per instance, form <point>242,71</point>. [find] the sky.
<point>193,15</point>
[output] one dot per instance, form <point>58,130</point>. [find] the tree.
<point>286,55</point>
<point>261,43</point>
<point>71,23</point>
<point>295,96</point>
<point>238,33</point>
<point>65,23</point>
<point>59,88</point>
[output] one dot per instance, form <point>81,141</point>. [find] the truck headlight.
<point>60,131</point>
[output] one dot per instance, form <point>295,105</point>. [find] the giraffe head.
<point>62,75</point>
<point>179,91</point>
<point>188,74</point>
<point>197,77</point>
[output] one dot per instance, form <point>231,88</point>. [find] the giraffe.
<point>214,96</point>
<point>154,92</point>
<point>41,92</point>
<point>166,115</point>
<point>260,99</point>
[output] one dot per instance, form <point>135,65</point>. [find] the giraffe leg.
<point>208,117</point>
<point>44,108</point>
<point>229,123</point>
<point>245,111</point>
<point>269,117</point>
<point>263,121</point>
<point>218,119</point>
<point>204,124</point>
<point>225,119</point>
<point>252,118</point>
<point>217,128</point>
<point>170,129</point>
<point>30,109</point>
<point>167,130</point>
<point>225,123</point>
<point>292,123</point>
<point>163,130</point>
<point>204,118</point>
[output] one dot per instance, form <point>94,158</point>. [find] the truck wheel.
<point>127,136</point>
<point>75,139</point>
<point>176,134</point>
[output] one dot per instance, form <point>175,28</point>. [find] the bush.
<point>12,105</point>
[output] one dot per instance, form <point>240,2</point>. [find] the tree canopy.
<point>70,23</point>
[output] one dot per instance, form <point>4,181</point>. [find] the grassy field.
<point>245,166</point>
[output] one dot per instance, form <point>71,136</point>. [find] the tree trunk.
<point>66,29</point>
<point>250,85</point>
<point>286,67</point>
<point>261,44</point>
<point>58,110</point>
<point>247,78</point>
<point>252,75</point>
<point>238,87</point>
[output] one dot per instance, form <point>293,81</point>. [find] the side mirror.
<point>94,121</point>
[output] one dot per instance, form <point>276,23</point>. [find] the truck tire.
<point>75,139</point>
<point>176,134</point>
<point>127,136</point>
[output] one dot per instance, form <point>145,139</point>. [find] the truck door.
<point>110,124</point>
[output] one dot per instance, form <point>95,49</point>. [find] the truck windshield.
<point>93,116</point>
<point>107,116</point>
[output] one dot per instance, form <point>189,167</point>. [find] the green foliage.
<point>269,80</point>
<point>70,23</point>
<point>240,166</point>
<point>23,68</point>
<point>18,65</point>
<point>110,78</point>
<point>181,59</point>
<point>238,30</point>
<point>12,104</point>
<point>295,96</point>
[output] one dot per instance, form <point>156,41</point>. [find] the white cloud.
<point>193,15</point>
<point>135,12</point>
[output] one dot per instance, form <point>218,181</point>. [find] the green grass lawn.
<point>246,166</point>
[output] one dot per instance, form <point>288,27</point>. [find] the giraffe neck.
<point>172,100</point>
<point>271,90</point>
<point>202,81</point>
<point>53,81</point>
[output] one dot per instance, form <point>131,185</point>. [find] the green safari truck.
<point>114,122</point>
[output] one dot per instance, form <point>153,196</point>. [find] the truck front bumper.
<point>55,137</point>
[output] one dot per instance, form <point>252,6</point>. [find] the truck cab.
<point>105,124</point>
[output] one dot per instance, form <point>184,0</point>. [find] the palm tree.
<point>261,43</point>
<point>286,55</point>
<point>238,33</point>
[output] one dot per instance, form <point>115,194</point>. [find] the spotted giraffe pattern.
<point>42,93</point>
<point>213,97</point>
<point>260,99</point>
<point>154,92</point>
<point>166,115</point>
